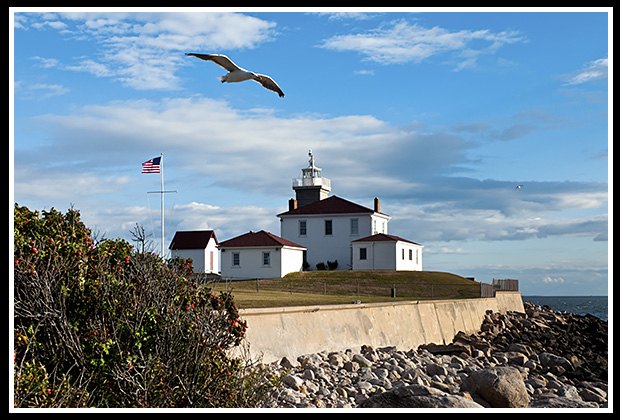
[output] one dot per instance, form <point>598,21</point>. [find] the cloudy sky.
<point>439,113</point>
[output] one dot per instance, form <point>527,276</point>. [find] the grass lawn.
<point>338,287</point>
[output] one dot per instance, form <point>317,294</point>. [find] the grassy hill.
<point>337,287</point>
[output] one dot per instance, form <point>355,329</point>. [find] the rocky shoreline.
<point>537,359</point>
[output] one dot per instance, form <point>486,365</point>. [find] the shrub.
<point>98,324</point>
<point>332,264</point>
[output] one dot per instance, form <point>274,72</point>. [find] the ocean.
<point>581,305</point>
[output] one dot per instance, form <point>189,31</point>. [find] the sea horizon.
<point>596,305</point>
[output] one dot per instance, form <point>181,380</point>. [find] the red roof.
<point>383,237</point>
<point>257,239</point>
<point>192,239</point>
<point>330,205</point>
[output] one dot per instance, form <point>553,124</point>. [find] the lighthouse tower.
<point>311,186</point>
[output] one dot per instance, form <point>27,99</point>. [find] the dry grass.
<point>337,287</point>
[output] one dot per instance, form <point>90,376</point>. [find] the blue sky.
<point>439,113</point>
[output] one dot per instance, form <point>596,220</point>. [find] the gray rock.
<point>501,387</point>
<point>552,360</point>
<point>293,381</point>
<point>593,395</point>
<point>561,402</point>
<point>416,396</point>
<point>361,360</point>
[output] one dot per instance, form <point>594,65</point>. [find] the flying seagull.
<point>517,187</point>
<point>237,74</point>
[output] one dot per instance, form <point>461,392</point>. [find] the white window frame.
<point>331,227</point>
<point>266,259</point>
<point>355,226</point>
<point>364,254</point>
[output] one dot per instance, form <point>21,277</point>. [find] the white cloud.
<point>139,49</point>
<point>257,152</point>
<point>403,42</point>
<point>594,70</point>
<point>549,279</point>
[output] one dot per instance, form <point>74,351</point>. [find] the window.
<point>363,255</point>
<point>303,231</point>
<point>374,226</point>
<point>355,227</point>
<point>403,253</point>
<point>410,254</point>
<point>266,259</point>
<point>236,259</point>
<point>328,227</point>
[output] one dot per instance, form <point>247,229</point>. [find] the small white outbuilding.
<point>386,252</point>
<point>259,255</point>
<point>200,246</point>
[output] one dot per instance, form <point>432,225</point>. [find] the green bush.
<point>98,324</point>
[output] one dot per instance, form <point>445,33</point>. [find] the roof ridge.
<point>377,236</point>
<point>257,239</point>
<point>330,205</point>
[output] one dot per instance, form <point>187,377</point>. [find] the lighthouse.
<point>311,186</point>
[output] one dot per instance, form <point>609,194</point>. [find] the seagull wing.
<point>268,83</point>
<point>219,59</point>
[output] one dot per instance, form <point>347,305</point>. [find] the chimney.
<point>377,204</point>
<point>292,204</point>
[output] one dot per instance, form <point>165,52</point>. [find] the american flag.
<point>151,166</point>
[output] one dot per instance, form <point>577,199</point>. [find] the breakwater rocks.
<point>535,359</point>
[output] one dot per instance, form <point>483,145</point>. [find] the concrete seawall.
<point>289,332</point>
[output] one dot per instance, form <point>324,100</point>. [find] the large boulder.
<point>501,387</point>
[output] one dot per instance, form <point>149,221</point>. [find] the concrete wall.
<point>274,333</point>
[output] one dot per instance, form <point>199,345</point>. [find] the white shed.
<point>386,252</point>
<point>200,246</point>
<point>260,255</point>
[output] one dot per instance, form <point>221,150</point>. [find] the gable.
<point>192,239</point>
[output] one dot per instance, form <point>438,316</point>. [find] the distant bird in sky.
<point>237,74</point>
<point>518,187</point>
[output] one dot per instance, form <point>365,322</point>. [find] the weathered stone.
<point>351,366</point>
<point>453,348</point>
<point>436,369</point>
<point>551,360</point>
<point>590,394</point>
<point>416,396</point>
<point>293,381</point>
<point>500,386</point>
<point>286,363</point>
<point>561,402</point>
<point>361,360</point>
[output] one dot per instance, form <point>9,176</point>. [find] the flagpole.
<point>151,167</point>
<point>161,165</point>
